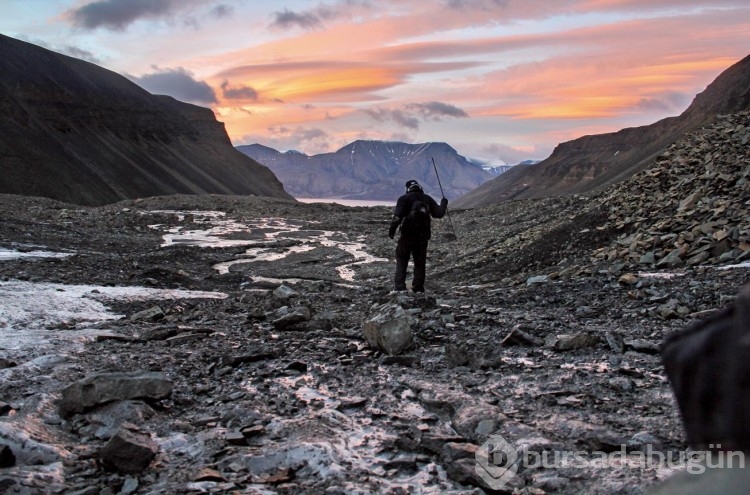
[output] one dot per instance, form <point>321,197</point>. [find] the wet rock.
<point>106,387</point>
<point>389,330</point>
<point>129,451</point>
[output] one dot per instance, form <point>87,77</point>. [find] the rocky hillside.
<point>689,209</point>
<point>73,131</point>
<point>594,162</point>
<point>375,170</point>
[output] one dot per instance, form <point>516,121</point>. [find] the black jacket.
<point>404,205</point>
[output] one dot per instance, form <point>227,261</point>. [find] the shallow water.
<point>258,234</point>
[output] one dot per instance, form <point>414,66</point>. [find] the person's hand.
<point>391,232</point>
<point>444,201</point>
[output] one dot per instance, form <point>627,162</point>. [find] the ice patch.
<point>30,307</point>
<point>12,254</point>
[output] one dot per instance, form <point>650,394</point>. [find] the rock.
<point>7,458</point>
<point>129,486</point>
<point>208,474</point>
<point>7,363</point>
<point>152,314</point>
<point>628,279</point>
<point>642,345</point>
<point>389,330</point>
<point>455,355</point>
<point>537,280</point>
<point>284,292</point>
<point>615,342</point>
<point>672,260</point>
<point>571,342</point>
<point>453,451</point>
<point>129,451</point>
<point>235,438</point>
<point>525,338</point>
<point>299,315</point>
<point>107,387</point>
<point>435,442</point>
<point>477,421</point>
<point>253,431</point>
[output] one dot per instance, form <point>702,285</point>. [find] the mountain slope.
<point>76,132</point>
<point>594,162</point>
<point>375,170</point>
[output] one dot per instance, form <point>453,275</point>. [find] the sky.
<point>501,80</point>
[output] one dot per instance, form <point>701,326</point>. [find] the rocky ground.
<point>237,363</point>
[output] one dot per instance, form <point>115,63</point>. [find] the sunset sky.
<point>497,79</point>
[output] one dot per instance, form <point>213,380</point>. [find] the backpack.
<point>416,223</point>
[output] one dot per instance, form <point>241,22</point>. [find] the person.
<point>412,242</point>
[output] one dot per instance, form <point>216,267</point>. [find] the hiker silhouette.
<point>414,211</point>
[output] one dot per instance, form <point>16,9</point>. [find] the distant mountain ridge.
<point>595,162</point>
<point>371,170</point>
<point>76,132</point>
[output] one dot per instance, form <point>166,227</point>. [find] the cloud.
<point>667,102</point>
<point>509,154</point>
<point>399,117</point>
<point>436,110</point>
<point>240,93</point>
<point>315,18</point>
<point>311,139</point>
<point>477,4</point>
<point>410,114</point>
<point>222,10</point>
<point>288,19</point>
<point>178,83</point>
<point>118,14</point>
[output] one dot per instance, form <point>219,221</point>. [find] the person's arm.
<point>438,210</point>
<point>398,215</point>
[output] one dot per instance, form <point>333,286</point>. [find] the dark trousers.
<point>408,249</point>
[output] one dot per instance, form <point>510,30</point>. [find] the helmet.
<point>412,185</point>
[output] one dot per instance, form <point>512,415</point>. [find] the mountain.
<point>592,163</point>
<point>374,170</point>
<point>492,167</point>
<point>73,131</point>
